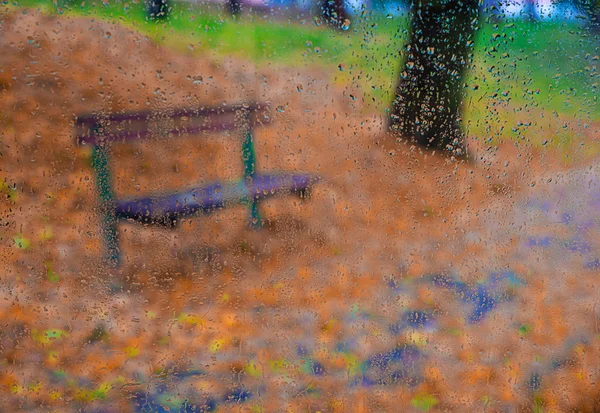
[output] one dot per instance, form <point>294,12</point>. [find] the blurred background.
<point>443,257</point>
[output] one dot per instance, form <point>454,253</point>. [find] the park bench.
<point>101,132</point>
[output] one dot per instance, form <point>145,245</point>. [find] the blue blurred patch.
<point>485,297</point>
<point>237,394</point>
<point>400,365</point>
<point>543,242</point>
<point>593,265</point>
<point>317,368</point>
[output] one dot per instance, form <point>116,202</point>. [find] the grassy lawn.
<point>533,82</point>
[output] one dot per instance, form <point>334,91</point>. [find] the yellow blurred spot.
<point>21,242</point>
<point>253,369</point>
<point>55,395</point>
<point>48,336</point>
<point>51,275</point>
<point>132,351</point>
<point>352,364</point>
<point>424,402</point>
<point>84,395</point>
<point>16,388</point>
<point>329,325</point>
<point>35,386</point>
<point>191,320</point>
<point>216,345</point>
<point>376,332</point>
<point>417,338</point>
<point>46,233</point>
<point>279,364</point>
<point>52,358</point>
<point>336,405</point>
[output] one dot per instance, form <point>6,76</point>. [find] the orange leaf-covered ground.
<point>406,282</point>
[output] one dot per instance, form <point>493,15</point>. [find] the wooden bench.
<point>101,132</point>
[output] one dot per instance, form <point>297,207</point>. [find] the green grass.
<point>532,80</point>
<point>528,78</point>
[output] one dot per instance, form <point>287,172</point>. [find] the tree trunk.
<point>157,9</point>
<point>334,13</point>
<point>591,8</point>
<point>234,7</point>
<point>429,93</point>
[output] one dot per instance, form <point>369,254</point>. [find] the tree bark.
<point>428,101</point>
<point>591,8</point>
<point>334,13</point>
<point>158,9</point>
<point>234,7</point>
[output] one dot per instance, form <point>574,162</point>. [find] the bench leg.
<point>106,202</point>
<point>249,158</point>
<point>255,216</point>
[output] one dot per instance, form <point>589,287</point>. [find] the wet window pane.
<point>303,206</point>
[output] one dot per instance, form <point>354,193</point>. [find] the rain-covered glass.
<point>299,206</point>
